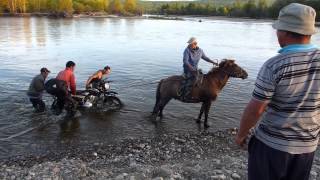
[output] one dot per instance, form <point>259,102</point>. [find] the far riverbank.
<point>199,18</point>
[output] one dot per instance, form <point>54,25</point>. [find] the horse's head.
<point>232,69</point>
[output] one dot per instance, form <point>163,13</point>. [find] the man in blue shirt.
<point>191,57</point>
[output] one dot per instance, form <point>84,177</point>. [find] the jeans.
<point>38,104</point>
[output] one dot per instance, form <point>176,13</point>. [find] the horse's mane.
<point>222,64</point>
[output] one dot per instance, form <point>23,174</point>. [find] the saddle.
<point>187,86</point>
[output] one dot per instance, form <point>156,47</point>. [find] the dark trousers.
<point>38,104</point>
<point>187,84</point>
<point>266,163</point>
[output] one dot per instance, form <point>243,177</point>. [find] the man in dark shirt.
<point>36,89</point>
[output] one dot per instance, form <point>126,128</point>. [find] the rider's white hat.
<point>192,40</point>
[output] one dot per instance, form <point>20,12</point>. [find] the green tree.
<point>38,5</point>
<point>22,6</point>
<point>223,11</point>
<point>65,6</point>
<point>12,5</point>
<point>3,6</point>
<point>250,8</point>
<point>52,6</point>
<point>115,7</point>
<point>262,8</point>
<point>130,6</point>
<point>79,7</point>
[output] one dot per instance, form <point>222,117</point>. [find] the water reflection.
<point>27,32</point>
<point>41,30</point>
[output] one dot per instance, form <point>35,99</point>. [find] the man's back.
<point>291,82</point>
<point>68,76</point>
<point>36,86</point>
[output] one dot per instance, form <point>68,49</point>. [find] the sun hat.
<point>192,40</point>
<point>296,18</point>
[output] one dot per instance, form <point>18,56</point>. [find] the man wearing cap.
<point>95,79</point>
<point>191,57</point>
<point>36,89</point>
<point>286,99</point>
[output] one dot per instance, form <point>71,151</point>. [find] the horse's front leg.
<point>206,113</point>
<point>201,112</point>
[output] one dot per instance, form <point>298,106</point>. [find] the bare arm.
<point>73,84</point>
<point>96,75</point>
<point>250,117</point>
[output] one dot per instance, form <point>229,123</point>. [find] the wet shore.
<point>200,155</point>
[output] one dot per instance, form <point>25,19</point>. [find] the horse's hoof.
<point>153,117</point>
<point>206,125</point>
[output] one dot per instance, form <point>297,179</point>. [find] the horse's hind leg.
<point>156,109</point>
<point>206,113</point>
<point>201,112</point>
<point>162,104</point>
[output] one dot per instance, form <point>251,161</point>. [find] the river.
<point>140,51</point>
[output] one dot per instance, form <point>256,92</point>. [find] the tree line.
<point>240,8</point>
<point>121,7</point>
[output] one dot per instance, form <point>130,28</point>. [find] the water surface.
<point>140,51</point>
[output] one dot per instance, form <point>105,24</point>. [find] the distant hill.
<point>228,2</point>
<point>217,2</point>
<point>150,6</point>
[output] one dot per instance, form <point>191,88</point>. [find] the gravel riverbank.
<point>200,155</point>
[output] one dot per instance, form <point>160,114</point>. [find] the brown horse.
<point>204,92</point>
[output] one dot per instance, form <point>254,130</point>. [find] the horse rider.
<point>95,79</point>
<point>191,57</point>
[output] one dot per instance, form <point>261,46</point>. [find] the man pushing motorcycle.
<point>61,85</point>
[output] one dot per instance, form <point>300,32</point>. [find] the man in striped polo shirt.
<point>286,99</point>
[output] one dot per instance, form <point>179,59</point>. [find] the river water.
<point>140,51</point>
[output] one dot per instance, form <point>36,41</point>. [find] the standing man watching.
<point>36,89</point>
<point>286,98</point>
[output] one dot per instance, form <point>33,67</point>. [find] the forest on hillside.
<point>239,8</point>
<point>231,8</point>
<point>126,7</point>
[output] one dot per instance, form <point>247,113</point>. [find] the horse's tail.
<point>157,98</point>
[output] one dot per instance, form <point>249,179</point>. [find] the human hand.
<point>215,62</point>
<point>240,140</point>
<point>194,72</point>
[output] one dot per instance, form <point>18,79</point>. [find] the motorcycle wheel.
<point>113,103</point>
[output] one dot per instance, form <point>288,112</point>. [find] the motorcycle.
<point>99,98</point>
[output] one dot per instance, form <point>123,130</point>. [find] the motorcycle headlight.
<point>107,86</point>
